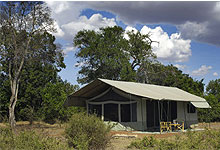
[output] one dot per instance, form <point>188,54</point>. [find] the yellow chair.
<point>165,126</point>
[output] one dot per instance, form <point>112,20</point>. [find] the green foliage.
<point>87,132</point>
<point>107,54</point>
<point>146,142</point>
<point>4,96</point>
<point>212,114</point>
<point>35,77</point>
<point>53,98</point>
<point>213,87</point>
<point>38,83</point>
<point>156,73</point>
<point>212,97</point>
<point>28,140</point>
<point>24,40</point>
<point>208,139</point>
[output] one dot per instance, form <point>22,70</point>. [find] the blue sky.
<point>187,31</point>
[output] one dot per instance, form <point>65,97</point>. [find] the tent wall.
<point>183,115</point>
<point>138,124</point>
<point>112,102</point>
<point>141,123</point>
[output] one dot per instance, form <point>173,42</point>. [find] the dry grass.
<point>57,131</point>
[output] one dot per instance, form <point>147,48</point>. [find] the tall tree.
<point>213,87</point>
<point>35,76</point>
<point>53,98</point>
<point>107,54</point>
<point>159,74</point>
<point>23,38</point>
<point>213,98</point>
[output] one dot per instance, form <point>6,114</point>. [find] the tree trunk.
<point>13,100</point>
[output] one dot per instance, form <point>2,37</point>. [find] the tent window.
<point>134,112</point>
<point>129,112</point>
<point>125,113</point>
<point>190,108</point>
<point>95,109</point>
<point>111,112</point>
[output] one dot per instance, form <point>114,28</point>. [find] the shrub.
<point>145,143</point>
<point>27,114</point>
<point>28,140</point>
<point>87,132</point>
<point>208,139</point>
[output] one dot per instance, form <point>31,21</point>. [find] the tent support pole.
<point>185,124</point>
<point>168,110</point>
<point>142,115</point>
<point>154,114</point>
<point>131,118</point>
<point>158,104</point>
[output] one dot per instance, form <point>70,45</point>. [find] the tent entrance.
<point>152,114</point>
<point>160,111</point>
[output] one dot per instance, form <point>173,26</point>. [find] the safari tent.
<point>137,106</point>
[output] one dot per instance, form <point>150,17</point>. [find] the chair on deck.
<point>165,126</point>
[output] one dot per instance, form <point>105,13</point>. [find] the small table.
<point>177,126</point>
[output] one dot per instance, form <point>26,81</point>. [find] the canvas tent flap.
<point>201,104</point>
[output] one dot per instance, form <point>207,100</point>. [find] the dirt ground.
<point>120,140</point>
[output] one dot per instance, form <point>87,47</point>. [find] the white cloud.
<point>95,22</point>
<point>68,49</point>
<point>181,67</point>
<point>129,29</point>
<point>203,70</point>
<point>58,7</point>
<point>64,12</point>
<point>170,48</point>
<point>69,22</point>
<point>59,32</point>
<point>215,74</point>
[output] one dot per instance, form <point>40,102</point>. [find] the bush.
<point>53,98</point>
<point>87,132</point>
<point>28,140</point>
<point>27,114</point>
<point>208,139</point>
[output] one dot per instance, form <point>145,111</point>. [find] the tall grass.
<point>202,140</point>
<point>29,140</point>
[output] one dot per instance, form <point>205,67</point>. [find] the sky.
<point>188,32</point>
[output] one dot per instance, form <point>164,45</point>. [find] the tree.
<point>213,98</point>
<point>213,87</point>
<point>159,74</point>
<point>53,98</point>
<point>35,77</point>
<point>211,114</point>
<point>107,54</point>
<point>4,96</point>
<point>24,28</point>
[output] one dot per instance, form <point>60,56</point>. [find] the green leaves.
<point>107,54</point>
<point>53,98</point>
<point>213,87</point>
<point>212,97</point>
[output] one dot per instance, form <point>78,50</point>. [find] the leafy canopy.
<point>107,54</point>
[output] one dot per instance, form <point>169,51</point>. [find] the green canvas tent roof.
<point>144,91</point>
